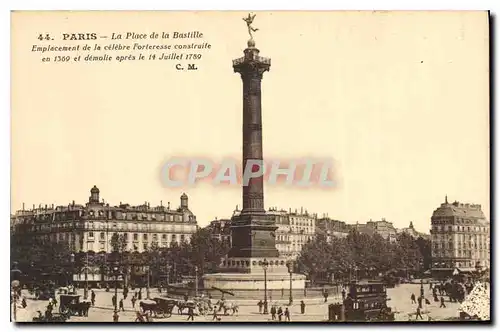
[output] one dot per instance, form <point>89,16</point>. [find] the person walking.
<point>280,313</point>
<point>23,302</point>
<point>442,303</point>
<point>260,304</point>
<point>325,294</point>
<point>418,314</point>
<point>113,300</point>
<point>273,312</point>
<point>302,307</point>
<point>215,316</point>
<point>287,314</point>
<point>121,305</point>
<point>92,298</point>
<point>191,313</point>
<point>343,294</point>
<point>412,298</point>
<point>133,301</point>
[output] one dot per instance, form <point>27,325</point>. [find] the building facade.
<point>331,228</point>
<point>410,230</point>
<point>460,237</point>
<point>90,227</point>
<point>382,227</point>
<point>221,229</point>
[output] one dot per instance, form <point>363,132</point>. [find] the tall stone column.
<point>251,67</point>
<point>253,232</point>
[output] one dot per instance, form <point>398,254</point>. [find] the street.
<point>316,310</point>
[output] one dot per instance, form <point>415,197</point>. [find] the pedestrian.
<point>412,298</point>
<point>420,299</point>
<point>191,313</point>
<point>343,293</point>
<point>260,304</point>
<point>442,303</point>
<point>140,294</point>
<point>113,300</point>
<point>121,305</point>
<point>427,301</point>
<point>273,312</point>
<point>133,301</point>
<point>325,294</point>
<point>23,302</point>
<point>287,314</point>
<point>302,307</point>
<point>435,297</point>
<point>418,314</point>
<point>92,298</point>
<point>280,313</point>
<point>215,316</point>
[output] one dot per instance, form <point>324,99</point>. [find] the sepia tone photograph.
<point>232,167</point>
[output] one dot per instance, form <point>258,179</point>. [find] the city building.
<point>90,227</point>
<point>221,229</point>
<point>382,227</point>
<point>331,228</point>
<point>410,230</point>
<point>283,233</point>
<point>460,238</point>
<point>295,229</point>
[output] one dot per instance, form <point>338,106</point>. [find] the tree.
<point>314,260</point>
<point>118,243</point>
<point>425,249</point>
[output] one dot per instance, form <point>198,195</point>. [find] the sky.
<point>399,100</point>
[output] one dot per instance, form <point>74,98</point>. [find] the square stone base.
<point>253,281</point>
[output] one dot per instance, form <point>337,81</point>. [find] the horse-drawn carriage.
<point>159,306</point>
<point>70,304</point>
<point>165,306</point>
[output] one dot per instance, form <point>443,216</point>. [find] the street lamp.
<point>168,279</point>
<point>86,268</point>
<point>196,281</point>
<point>147,284</point>
<point>72,260</point>
<point>116,273</point>
<point>15,275</point>
<point>290,270</point>
<point>265,264</point>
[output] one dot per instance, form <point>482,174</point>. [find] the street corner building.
<point>460,237</point>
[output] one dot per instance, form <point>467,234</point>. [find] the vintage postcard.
<point>250,166</point>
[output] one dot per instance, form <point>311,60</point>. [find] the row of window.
<point>461,253</point>
<point>135,237</point>
<point>451,228</point>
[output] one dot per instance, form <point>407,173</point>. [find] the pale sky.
<point>400,100</point>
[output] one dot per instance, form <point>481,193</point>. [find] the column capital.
<point>251,65</point>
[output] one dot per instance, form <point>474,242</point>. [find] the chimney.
<point>53,206</point>
<point>168,207</point>
<point>33,206</point>
<point>45,207</point>
<point>23,206</point>
<point>73,203</point>
<point>161,203</point>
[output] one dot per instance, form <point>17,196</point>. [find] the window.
<point>155,237</point>
<point>182,237</point>
<point>91,235</point>
<point>145,246</point>
<point>101,236</point>
<point>145,237</point>
<point>102,246</point>
<point>125,236</point>
<point>136,236</point>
